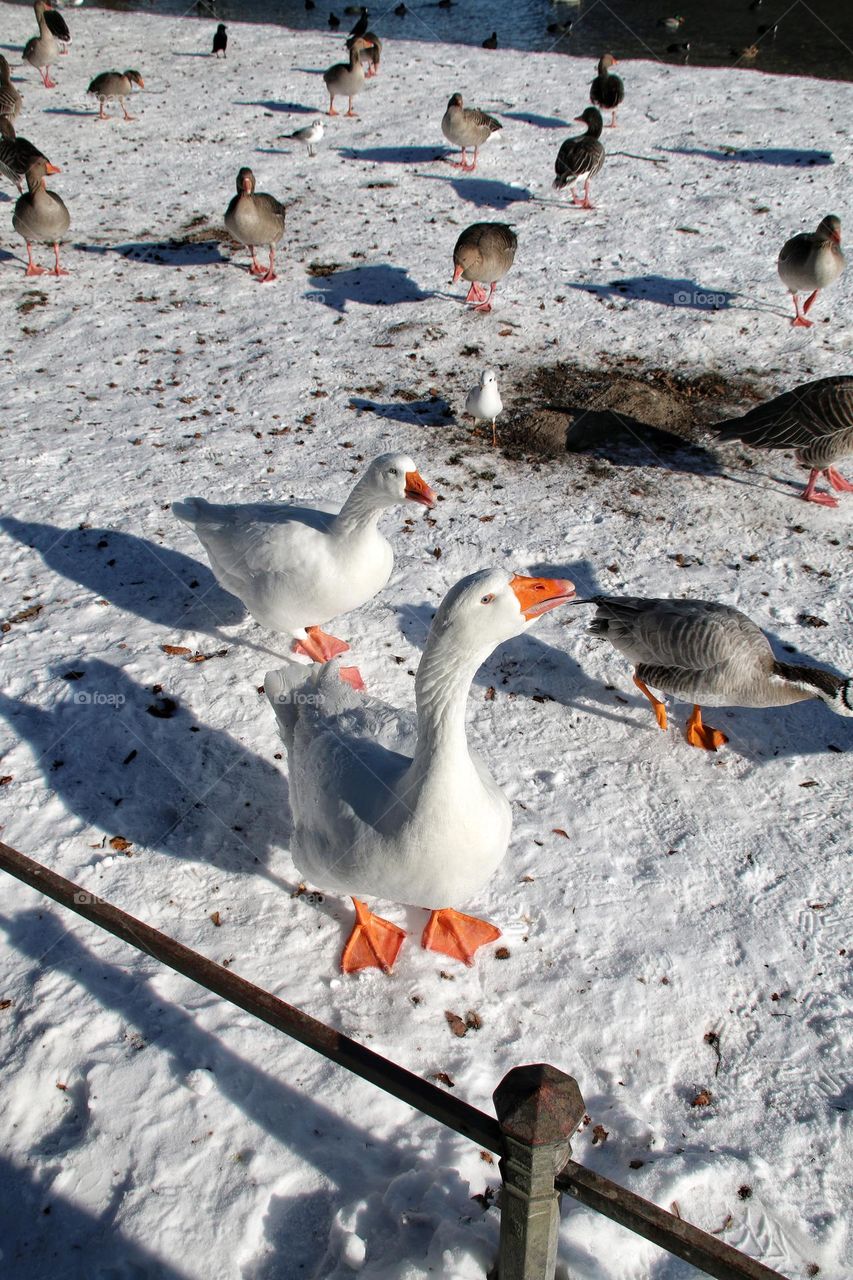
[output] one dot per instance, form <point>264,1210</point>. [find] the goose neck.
<point>441,695</point>
<point>360,512</point>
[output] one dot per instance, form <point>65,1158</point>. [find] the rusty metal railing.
<point>538,1107</point>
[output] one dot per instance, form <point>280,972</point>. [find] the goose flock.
<point>371,785</point>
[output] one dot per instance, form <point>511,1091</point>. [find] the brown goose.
<point>41,216</point>
<point>581,157</point>
<point>467,127</point>
<point>115,84</point>
<point>43,48</point>
<point>484,254</point>
<point>16,154</point>
<point>816,419</point>
<point>10,98</point>
<point>255,220</point>
<point>374,53</point>
<point>809,262</point>
<point>346,79</point>
<point>606,91</point>
<point>706,652</point>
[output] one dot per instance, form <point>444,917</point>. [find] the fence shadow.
<point>395,155</point>
<point>784,156</point>
<point>163,586</point>
<point>141,766</point>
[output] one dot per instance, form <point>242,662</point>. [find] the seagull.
<point>484,401</point>
<point>491,42</point>
<point>311,134</point>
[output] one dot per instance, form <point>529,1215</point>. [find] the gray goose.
<point>809,262</point>
<point>346,79</point>
<point>484,254</point>
<point>115,84</point>
<point>581,157</point>
<point>41,216</point>
<point>16,154</point>
<point>42,49</point>
<point>816,419</point>
<point>467,127</point>
<point>607,91</point>
<point>10,98</point>
<point>374,53</point>
<point>255,219</point>
<point>704,652</point>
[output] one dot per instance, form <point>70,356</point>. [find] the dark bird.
<point>220,41</point>
<point>309,5</point>
<point>559,28</point>
<point>16,154</point>
<point>401,11</point>
<point>704,652</point>
<point>10,98</point>
<point>607,91</point>
<point>809,262</point>
<point>360,26</point>
<point>255,219</point>
<point>334,21</point>
<point>679,48</point>
<point>483,254</point>
<point>491,42</point>
<point>581,157</point>
<point>816,419</point>
<point>58,27</point>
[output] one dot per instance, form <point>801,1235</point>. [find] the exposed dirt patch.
<point>564,407</point>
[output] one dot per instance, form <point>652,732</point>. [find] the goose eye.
<point>487,599</point>
<point>393,471</point>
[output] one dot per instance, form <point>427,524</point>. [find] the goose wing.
<point>815,411</point>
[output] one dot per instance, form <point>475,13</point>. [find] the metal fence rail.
<point>538,1107</point>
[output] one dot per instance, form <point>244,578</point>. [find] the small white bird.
<point>484,400</point>
<point>310,135</point>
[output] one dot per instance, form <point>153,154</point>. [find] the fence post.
<point>538,1108</point>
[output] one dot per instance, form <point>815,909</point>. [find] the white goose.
<point>390,805</point>
<point>296,566</point>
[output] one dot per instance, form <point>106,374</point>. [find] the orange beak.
<point>537,595</point>
<point>52,168</point>
<point>418,490</point>
<point>141,83</point>
<point>457,272</point>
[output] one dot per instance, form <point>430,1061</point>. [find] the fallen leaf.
<point>164,709</point>
<point>5,1004</point>
<point>443,1078</point>
<point>456,1024</point>
<point>702,1099</point>
<point>216,918</point>
<point>485,1156</point>
<point>6,779</point>
<point>490,693</point>
<point>502,953</point>
<point>120,844</point>
<point>175,650</point>
<point>558,831</point>
<point>473,1021</point>
<point>599,1134</point>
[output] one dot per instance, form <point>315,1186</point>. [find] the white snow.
<point>149,1129</point>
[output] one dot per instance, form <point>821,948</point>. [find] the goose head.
<point>455,101</point>
<point>591,117</point>
<point>135,78</point>
<point>393,478</point>
<point>491,606</point>
<point>38,171</point>
<point>245,182</point>
<point>606,63</point>
<point>831,228</point>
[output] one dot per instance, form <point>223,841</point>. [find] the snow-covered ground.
<point>149,1130</point>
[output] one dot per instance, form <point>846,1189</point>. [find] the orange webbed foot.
<point>319,646</point>
<point>352,677</point>
<point>457,935</point>
<point>373,944</point>
<point>657,706</point>
<point>702,735</point>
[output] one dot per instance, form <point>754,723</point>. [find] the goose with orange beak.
<point>393,805</point>
<point>40,215</point>
<point>296,566</point>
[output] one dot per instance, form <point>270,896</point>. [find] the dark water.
<point>813,37</point>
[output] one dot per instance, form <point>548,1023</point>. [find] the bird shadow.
<point>152,582</point>
<point>484,193</point>
<point>394,155</point>
<point>69,111</point>
<point>378,285</point>
<point>626,441</point>
<point>196,55</point>
<point>663,290</point>
<point>528,117</point>
<point>435,409</point>
<point>138,764</point>
<point>164,253</point>
<point>293,108</point>
<point>782,156</point>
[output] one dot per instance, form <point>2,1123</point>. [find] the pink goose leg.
<point>799,321</point>
<point>58,270</point>
<point>809,494</point>
<point>836,479</point>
